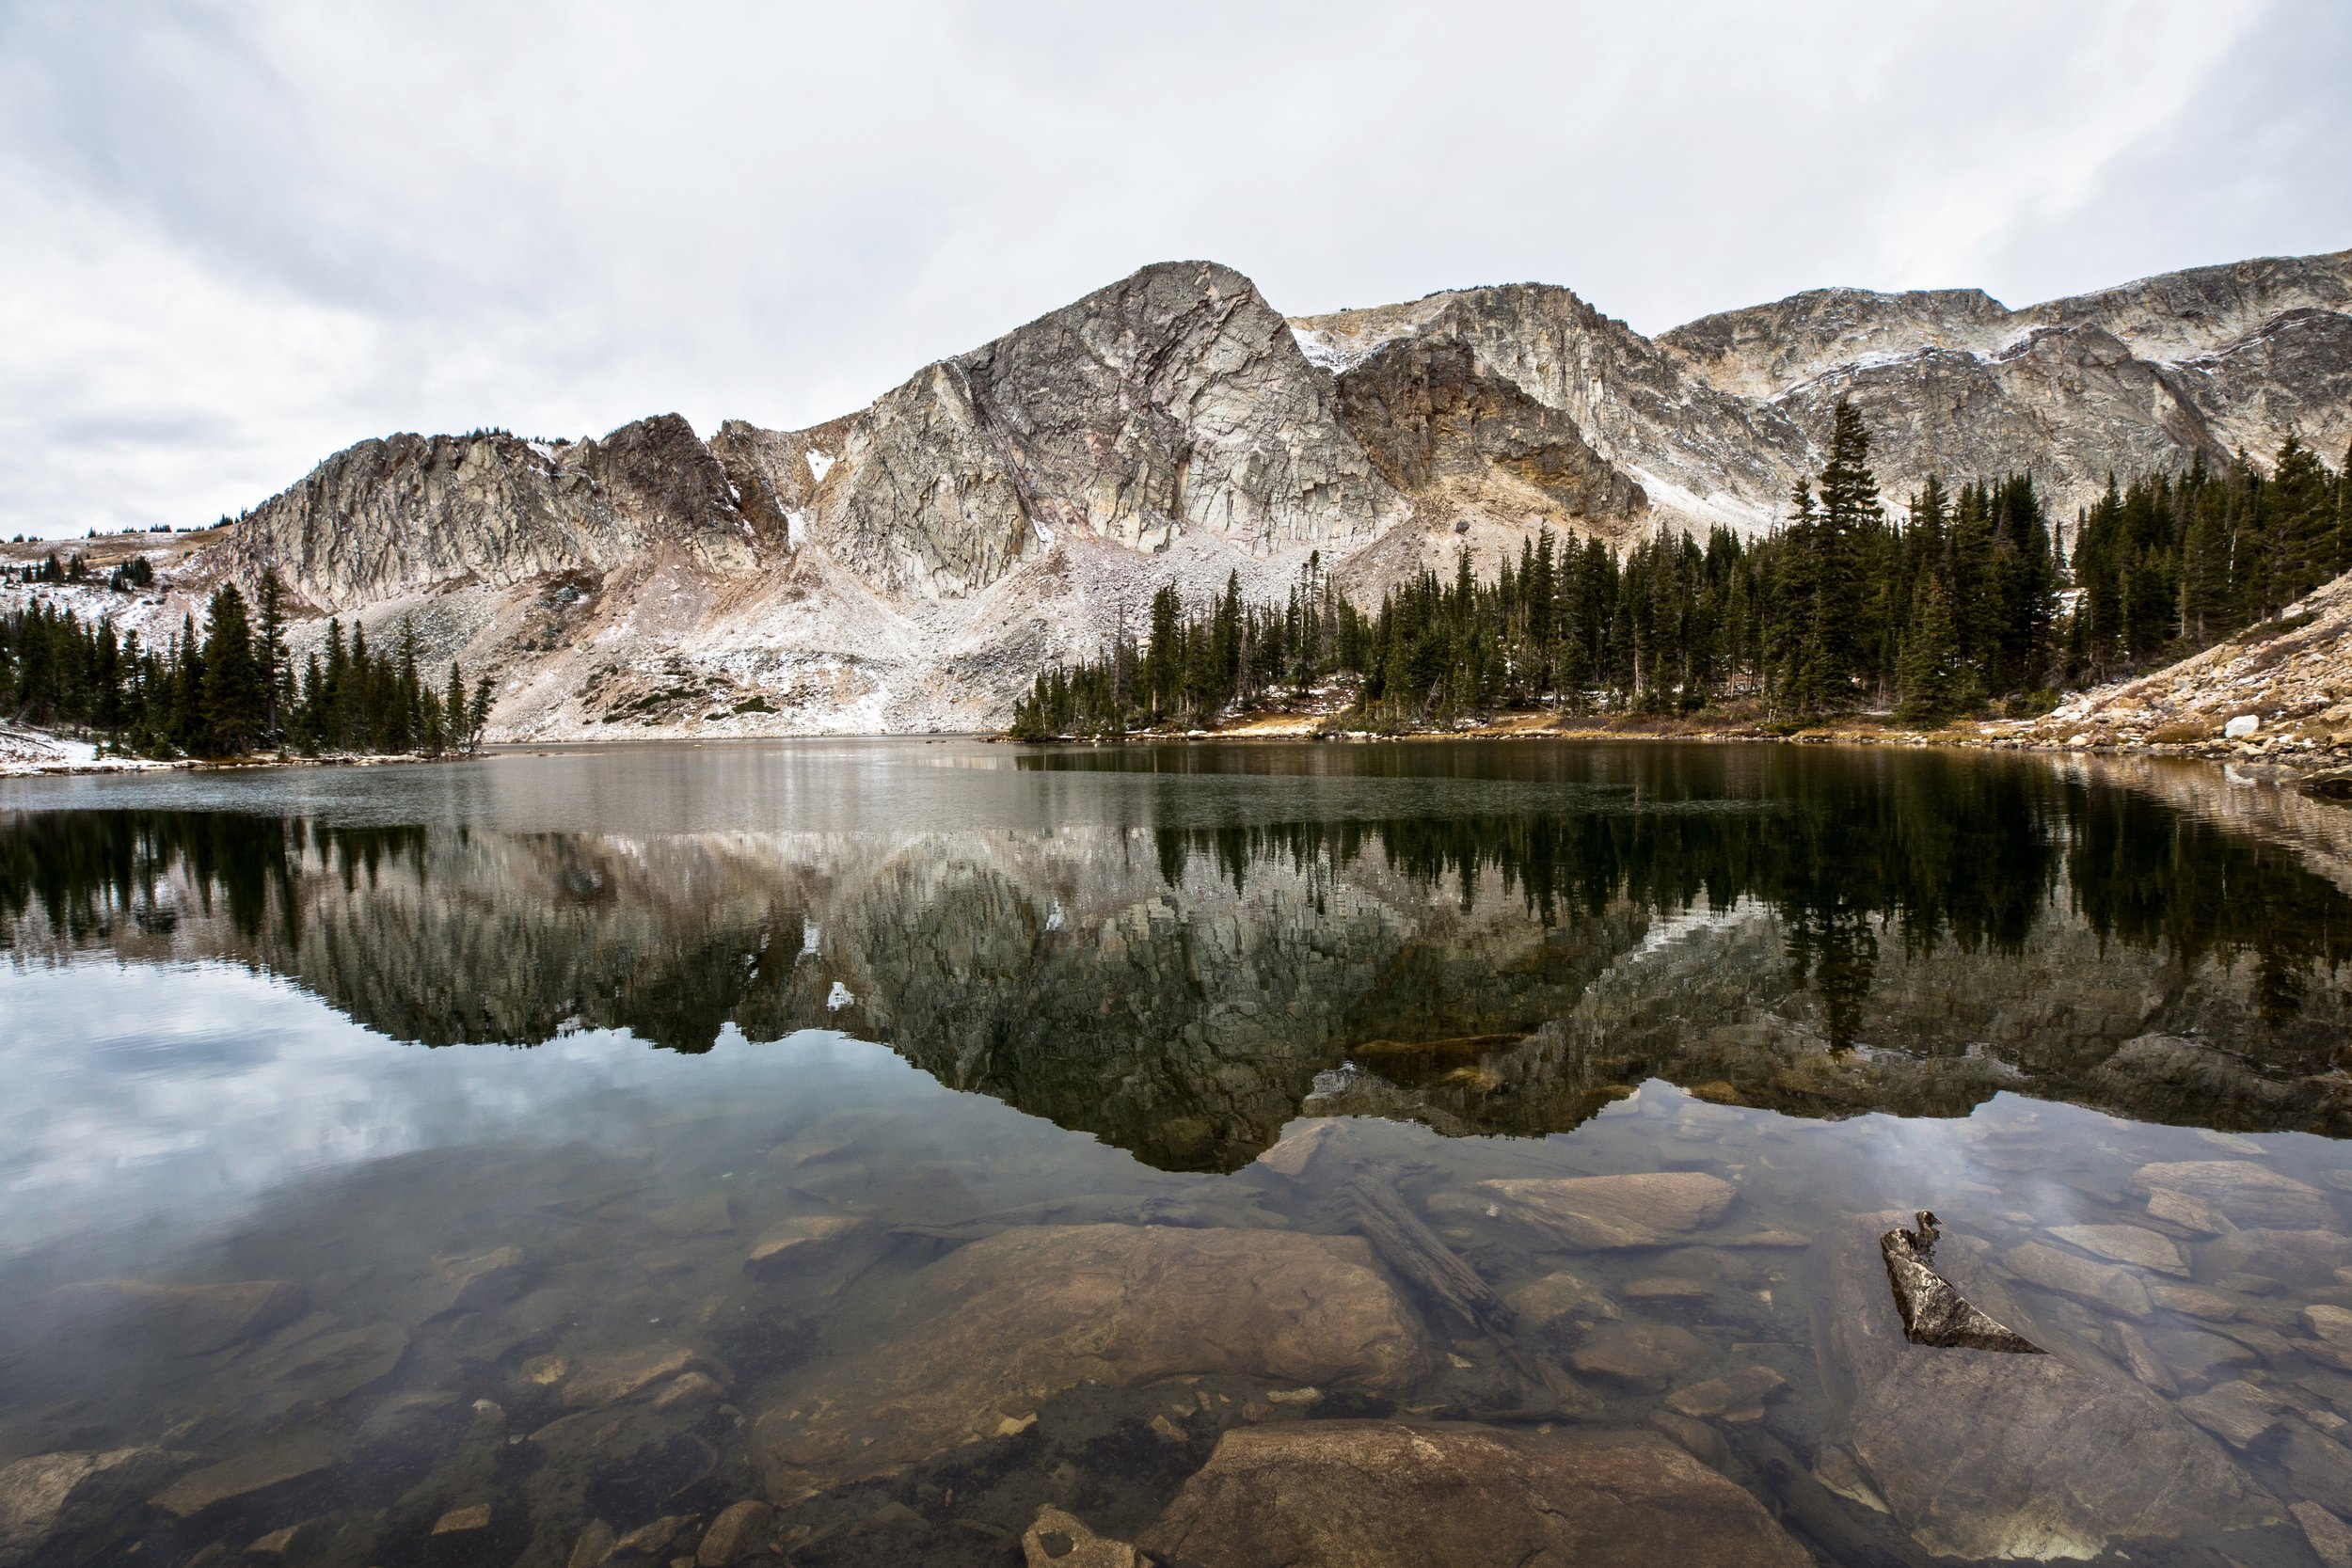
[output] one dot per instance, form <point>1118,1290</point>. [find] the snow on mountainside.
<point>910,565</point>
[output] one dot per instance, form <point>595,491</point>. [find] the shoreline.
<point>2284,764</point>
<point>2288,761</point>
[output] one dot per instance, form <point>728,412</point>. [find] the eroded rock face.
<point>390,516</point>
<point>1444,431</point>
<point>1980,1454</point>
<point>1369,1494</point>
<point>1175,398</point>
<point>996,1327</point>
<point>2148,375</point>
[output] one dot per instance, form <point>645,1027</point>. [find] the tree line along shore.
<point>1965,606</point>
<point>232,690</point>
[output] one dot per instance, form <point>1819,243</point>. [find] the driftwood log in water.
<point>1415,1253</point>
<point>1933,1312</point>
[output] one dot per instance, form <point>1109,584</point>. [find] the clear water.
<point>606,1137</point>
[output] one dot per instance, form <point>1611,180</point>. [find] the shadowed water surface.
<point>532,1160</point>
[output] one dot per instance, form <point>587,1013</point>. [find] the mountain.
<point>910,565</point>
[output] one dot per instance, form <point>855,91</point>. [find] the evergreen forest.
<point>1965,604</point>
<point>232,690</point>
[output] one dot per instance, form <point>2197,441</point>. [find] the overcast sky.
<point>237,237</point>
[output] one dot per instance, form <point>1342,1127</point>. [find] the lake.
<point>935,1152</point>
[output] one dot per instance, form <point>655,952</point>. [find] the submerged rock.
<point>1984,1455</point>
<point>1060,1540</point>
<point>1934,1313</point>
<point>248,1475</point>
<point>2069,1275</point>
<point>2134,1244</point>
<point>984,1335</point>
<point>1648,1354</point>
<point>740,1529</point>
<point>1373,1494</point>
<point>2292,1256</point>
<point>2331,1538</point>
<point>476,1283</point>
<point>710,1214</point>
<point>2247,1194</point>
<point>1561,1297</point>
<point>1735,1399</point>
<point>623,1374</point>
<point>66,1506</point>
<point>801,1243</point>
<point>1652,1208</point>
<point>190,1319</point>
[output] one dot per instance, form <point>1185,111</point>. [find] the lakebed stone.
<point>802,1243</point>
<point>477,1282</point>
<point>2331,1538</point>
<point>1057,1539</point>
<point>1561,1297</point>
<point>2134,1244</point>
<point>1980,1454</point>
<point>1736,1398</point>
<point>1650,1209</point>
<point>249,1475</point>
<point>2100,1284</point>
<point>190,1319</point>
<point>2247,1193</point>
<point>57,1507</point>
<point>1373,1494</point>
<point>740,1529</point>
<point>2261,1263</point>
<point>619,1375</point>
<point>984,1335</point>
<point>1647,1354</point>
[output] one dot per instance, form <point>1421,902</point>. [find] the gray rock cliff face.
<point>2154,374</point>
<point>1700,455</point>
<point>411,510</point>
<point>1175,399</point>
<point>907,565</point>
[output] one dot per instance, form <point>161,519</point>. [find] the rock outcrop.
<point>911,565</point>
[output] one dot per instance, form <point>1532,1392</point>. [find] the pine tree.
<point>2304,519</point>
<point>276,668</point>
<point>478,713</point>
<point>452,711</point>
<point>2205,578</point>
<point>1850,513</point>
<point>1931,676</point>
<point>234,702</point>
<point>185,724</point>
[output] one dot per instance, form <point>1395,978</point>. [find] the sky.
<point>235,238</point>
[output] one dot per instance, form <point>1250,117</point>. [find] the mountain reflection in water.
<point>1486,941</point>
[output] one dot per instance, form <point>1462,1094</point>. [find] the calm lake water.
<point>842,1152</point>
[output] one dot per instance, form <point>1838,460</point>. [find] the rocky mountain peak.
<point>911,562</point>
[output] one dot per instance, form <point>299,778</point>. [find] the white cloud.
<point>242,237</point>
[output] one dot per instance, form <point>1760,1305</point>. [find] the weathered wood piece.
<point>1933,1312</point>
<point>1417,1255</point>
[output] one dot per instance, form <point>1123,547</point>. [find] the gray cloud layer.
<point>242,236</point>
